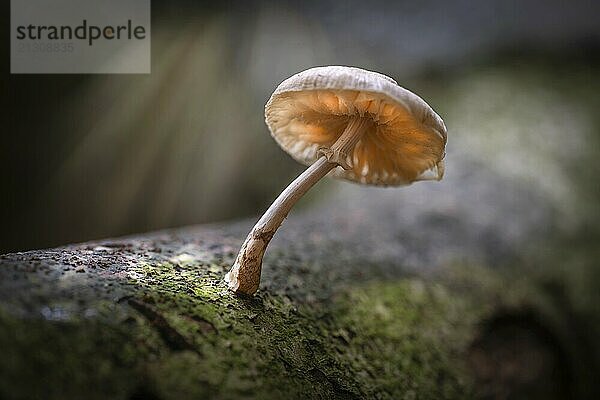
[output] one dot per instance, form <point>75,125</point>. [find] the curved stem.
<point>244,276</point>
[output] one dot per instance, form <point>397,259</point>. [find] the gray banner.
<point>80,36</point>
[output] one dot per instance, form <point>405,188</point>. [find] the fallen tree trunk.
<point>352,305</point>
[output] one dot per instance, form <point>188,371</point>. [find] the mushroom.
<point>359,125</point>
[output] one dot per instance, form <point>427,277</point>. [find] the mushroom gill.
<point>398,148</point>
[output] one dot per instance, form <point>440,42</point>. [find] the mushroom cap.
<point>405,143</point>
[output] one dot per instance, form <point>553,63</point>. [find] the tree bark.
<point>357,301</point>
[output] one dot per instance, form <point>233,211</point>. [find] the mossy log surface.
<point>353,304</point>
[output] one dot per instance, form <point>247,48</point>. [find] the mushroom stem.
<point>343,146</point>
<point>244,276</point>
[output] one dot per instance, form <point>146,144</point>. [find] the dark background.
<point>91,156</point>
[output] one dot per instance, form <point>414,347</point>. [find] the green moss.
<point>401,339</point>
<point>178,333</point>
<point>63,360</point>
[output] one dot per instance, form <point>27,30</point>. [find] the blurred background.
<point>92,156</point>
